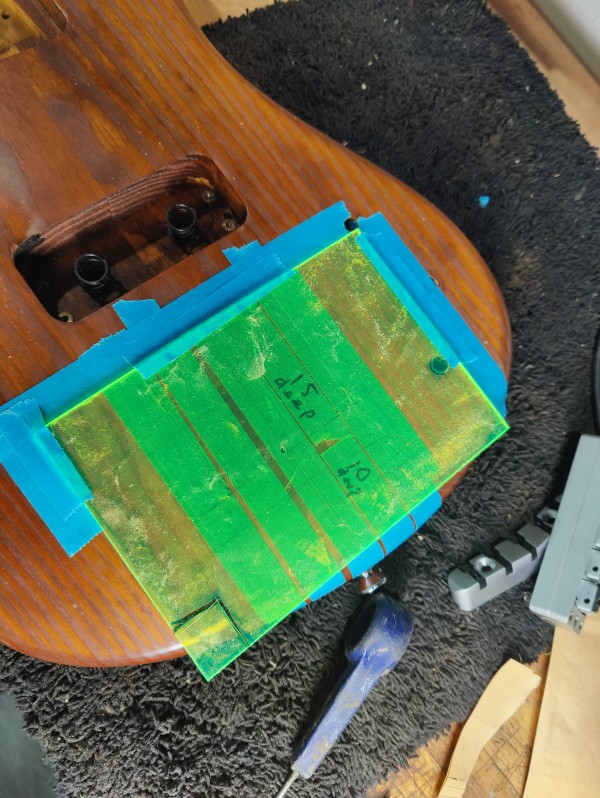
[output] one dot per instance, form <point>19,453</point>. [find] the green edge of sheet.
<point>251,469</point>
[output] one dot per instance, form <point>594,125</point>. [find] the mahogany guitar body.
<point>124,90</point>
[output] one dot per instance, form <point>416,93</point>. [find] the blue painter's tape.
<point>154,336</point>
<point>400,532</point>
<point>430,308</point>
<point>372,555</point>
<point>331,584</point>
<point>237,253</point>
<point>251,286</point>
<point>46,476</point>
<point>132,312</point>
<point>301,242</point>
<point>421,513</point>
<point>112,357</point>
<point>395,535</point>
<point>412,293</point>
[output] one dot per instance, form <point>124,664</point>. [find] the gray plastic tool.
<point>483,578</point>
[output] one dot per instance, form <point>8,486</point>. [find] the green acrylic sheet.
<point>244,475</point>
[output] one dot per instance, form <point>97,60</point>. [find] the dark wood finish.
<point>128,88</point>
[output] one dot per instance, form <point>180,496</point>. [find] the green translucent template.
<point>240,478</point>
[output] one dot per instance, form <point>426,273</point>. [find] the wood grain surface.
<point>501,769</point>
<point>127,88</point>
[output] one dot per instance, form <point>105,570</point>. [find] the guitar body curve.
<point>126,90</point>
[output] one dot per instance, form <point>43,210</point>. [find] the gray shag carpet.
<point>440,95</point>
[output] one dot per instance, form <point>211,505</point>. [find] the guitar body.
<point>124,90</point>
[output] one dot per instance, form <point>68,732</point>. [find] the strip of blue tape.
<point>33,458</point>
<point>395,536</point>
<point>134,312</point>
<point>302,242</point>
<point>430,308</point>
<point>251,285</point>
<point>154,336</point>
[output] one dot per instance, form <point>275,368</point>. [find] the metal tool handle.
<point>377,642</point>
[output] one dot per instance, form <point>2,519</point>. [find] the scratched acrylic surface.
<point>240,478</point>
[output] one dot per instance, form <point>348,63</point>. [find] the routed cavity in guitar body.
<point>129,237</point>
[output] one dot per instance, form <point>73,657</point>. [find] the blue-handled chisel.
<point>377,641</point>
